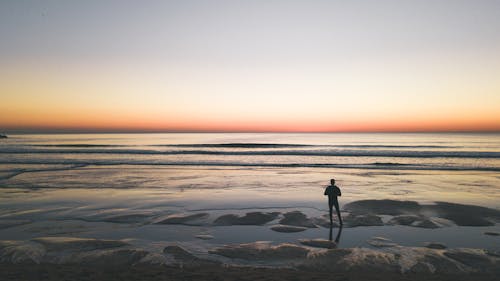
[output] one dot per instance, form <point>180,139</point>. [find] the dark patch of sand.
<point>465,215</point>
<point>352,259</point>
<point>404,220</point>
<point>297,218</point>
<point>262,252</point>
<point>435,245</point>
<point>362,220</point>
<point>414,214</point>
<point>184,257</point>
<point>383,207</point>
<point>128,218</point>
<point>77,272</point>
<point>402,259</point>
<point>21,252</point>
<point>414,220</point>
<point>178,253</point>
<point>84,251</point>
<point>319,243</point>
<point>77,244</point>
<point>253,218</point>
<point>472,258</point>
<point>426,223</point>
<point>113,257</point>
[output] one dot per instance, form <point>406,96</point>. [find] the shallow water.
<point>74,185</point>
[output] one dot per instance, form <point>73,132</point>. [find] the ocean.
<point>455,161</point>
<point>431,152</point>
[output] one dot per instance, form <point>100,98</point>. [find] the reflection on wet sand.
<point>339,232</point>
<point>323,243</point>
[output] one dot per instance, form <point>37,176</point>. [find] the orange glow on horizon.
<point>280,67</point>
<point>112,99</point>
<point>115,122</point>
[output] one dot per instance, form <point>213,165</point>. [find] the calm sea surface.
<point>475,152</point>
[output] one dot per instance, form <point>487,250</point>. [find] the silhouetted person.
<point>333,191</point>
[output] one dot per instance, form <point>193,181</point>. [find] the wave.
<point>77,145</point>
<point>371,166</point>
<point>392,146</point>
<point>13,173</point>
<point>207,145</point>
<point>246,145</point>
<point>343,153</point>
<point>236,145</point>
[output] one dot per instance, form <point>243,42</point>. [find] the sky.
<point>262,65</point>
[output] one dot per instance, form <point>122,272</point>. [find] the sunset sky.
<point>306,66</point>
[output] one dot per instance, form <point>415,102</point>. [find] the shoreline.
<point>310,255</point>
<point>262,245</point>
<point>402,223</point>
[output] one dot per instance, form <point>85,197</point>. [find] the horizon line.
<point>146,131</point>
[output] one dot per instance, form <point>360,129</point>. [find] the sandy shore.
<point>155,272</point>
<point>264,244</point>
<point>59,255</point>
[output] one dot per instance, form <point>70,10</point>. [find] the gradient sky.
<point>250,65</point>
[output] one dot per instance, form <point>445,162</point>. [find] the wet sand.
<point>312,256</point>
<point>42,272</point>
<point>196,232</point>
<point>255,244</point>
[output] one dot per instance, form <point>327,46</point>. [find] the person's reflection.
<point>337,239</point>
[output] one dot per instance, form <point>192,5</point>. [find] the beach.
<point>249,140</point>
<point>152,272</point>
<point>236,206</point>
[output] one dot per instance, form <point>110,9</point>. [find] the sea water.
<point>466,163</point>
<point>87,177</point>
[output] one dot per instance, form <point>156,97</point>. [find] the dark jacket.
<point>332,191</point>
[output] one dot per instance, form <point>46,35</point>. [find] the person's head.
<point>332,181</point>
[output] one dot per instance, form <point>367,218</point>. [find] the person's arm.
<point>340,192</point>
<point>326,191</point>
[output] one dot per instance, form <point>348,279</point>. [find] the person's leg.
<point>336,203</point>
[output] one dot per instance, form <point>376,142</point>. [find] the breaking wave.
<point>374,165</point>
<point>311,152</point>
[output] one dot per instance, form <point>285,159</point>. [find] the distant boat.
<point>3,136</point>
